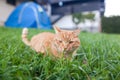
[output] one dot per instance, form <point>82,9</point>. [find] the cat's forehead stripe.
<point>66,35</point>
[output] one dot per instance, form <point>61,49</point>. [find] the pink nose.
<point>65,48</point>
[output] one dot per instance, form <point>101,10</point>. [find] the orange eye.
<point>71,42</point>
<point>60,41</point>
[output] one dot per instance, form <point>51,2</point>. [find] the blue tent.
<point>29,15</point>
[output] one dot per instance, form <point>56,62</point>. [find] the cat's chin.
<point>67,52</point>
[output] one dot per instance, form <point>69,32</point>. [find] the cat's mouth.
<point>68,51</point>
<point>67,54</point>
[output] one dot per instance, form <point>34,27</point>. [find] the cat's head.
<point>66,41</point>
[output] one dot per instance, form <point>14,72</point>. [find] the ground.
<point>98,58</point>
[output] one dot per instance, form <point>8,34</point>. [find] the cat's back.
<point>42,41</point>
<point>44,35</point>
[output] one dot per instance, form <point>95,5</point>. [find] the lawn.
<point>98,58</point>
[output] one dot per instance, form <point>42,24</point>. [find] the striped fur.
<point>62,43</point>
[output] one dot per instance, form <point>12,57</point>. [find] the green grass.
<point>98,59</point>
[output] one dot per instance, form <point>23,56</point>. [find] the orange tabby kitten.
<point>62,43</point>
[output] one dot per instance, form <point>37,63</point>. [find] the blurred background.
<point>87,15</point>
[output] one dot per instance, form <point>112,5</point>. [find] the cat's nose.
<point>65,48</point>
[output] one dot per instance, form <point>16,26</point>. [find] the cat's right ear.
<point>57,29</point>
<point>77,32</point>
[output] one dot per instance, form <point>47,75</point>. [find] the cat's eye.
<point>71,42</point>
<point>60,41</point>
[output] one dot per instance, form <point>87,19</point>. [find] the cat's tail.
<point>24,36</point>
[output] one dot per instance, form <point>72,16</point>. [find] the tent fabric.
<point>29,15</point>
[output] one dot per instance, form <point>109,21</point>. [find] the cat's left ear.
<point>57,29</point>
<point>77,32</point>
